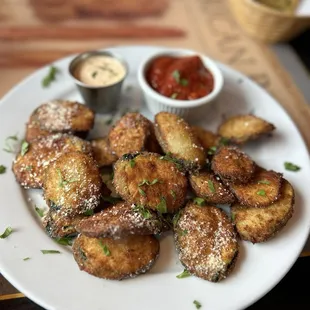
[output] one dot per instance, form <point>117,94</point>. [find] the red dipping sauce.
<point>182,78</point>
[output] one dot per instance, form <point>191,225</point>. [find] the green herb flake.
<point>65,240</point>
<point>143,211</point>
<point>173,194</point>
<point>212,150</point>
<point>184,274</point>
<point>105,249</point>
<point>50,252</point>
<point>25,148</point>
<point>40,211</point>
<point>29,168</point>
<point>176,218</point>
<point>263,182</point>
<point>146,182</point>
<point>26,258</point>
<point>171,159</point>
<point>109,121</point>
<point>184,232</point>
<point>6,233</point>
<point>162,206</point>
<point>63,182</point>
<point>184,82</point>
<point>291,167</point>
<point>261,192</point>
<point>132,163</point>
<point>174,96</point>
<point>88,213</point>
<point>176,76</point>
<point>94,74</point>
<point>211,186</point>
<point>111,199</point>
<point>50,77</point>
<point>2,169</point>
<point>197,304</point>
<point>141,191</point>
<point>224,141</point>
<point>199,201</point>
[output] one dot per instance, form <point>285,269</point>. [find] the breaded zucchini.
<point>72,184</point>
<point>149,180</point>
<point>176,137</point>
<point>206,138</point>
<point>261,224</point>
<point>241,128</point>
<point>130,134</point>
<point>115,259</point>
<point>206,241</point>
<point>29,168</point>
<point>102,152</point>
<point>121,220</point>
<point>60,116</point>
<point>232,165</point>
<point>261,191</point>
<point>210,187</point>
<point>59,225</point>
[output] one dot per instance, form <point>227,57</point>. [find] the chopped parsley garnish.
<point>143,211</point>
<point>184,232</point>
<point>88,213</point>
<point>261,192</point>
<point>50,252</point>
<point>211,186</point>
<point>184,274</point>
<point>146,182</point>
<point>63,182</point>
<point>162,206</point>
<point>50,77</point>
<point>105,248</point>
<point>25,147</point>
<point>141,191</point>
<point>26,258</point>
<point>232,216</point>
<point>39,211</point>
<point>8,144</point>
<point>291,167</point>
<point>174,95</point>
<point>2,169</point>
<point>171,159</point>
<point>65,240</point>
<point>29,168</point>
<point>263,182</point>
<point>94,74</point>
<point>175,219</point>
<point>199,201</point>
<point>176,75</point>
<point>184,82</point>
<point>6,233</point>
<point>224,141</point>
<point>212,150</point>
<point>197,304</point>
<point>174,196</point>
<point>132,163</point>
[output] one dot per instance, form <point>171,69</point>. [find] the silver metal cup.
<point>101,99</point>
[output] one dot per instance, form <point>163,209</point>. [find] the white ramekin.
<point>188,109</point>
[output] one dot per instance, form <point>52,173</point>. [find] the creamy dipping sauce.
<point>100,70</point>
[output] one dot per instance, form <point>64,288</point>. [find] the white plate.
<point>55,282</point>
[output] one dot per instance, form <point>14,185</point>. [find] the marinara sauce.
<point>182,78</point>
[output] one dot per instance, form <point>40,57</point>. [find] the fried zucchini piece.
<point>206,138</point>
<point>29,168</point>
<point>176,137</point>
<point>102,152</point>
<point>206,242</point>
<point>261,224</point>
<point>261,191</point>
<point>59,116</point>
<point>59,225</point>
<point>233,165</point>
<point>130,134</point>
<point>115,259</point>
<point>121,220</point>
<point>73,184</point>
<point>210,187</point>
<point>149,180</point>
<point>241,128</point>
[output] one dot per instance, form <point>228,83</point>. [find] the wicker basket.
<point>267,24</point>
